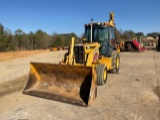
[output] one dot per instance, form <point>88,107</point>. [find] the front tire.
<point>101,71</point>
<point>116,63</point>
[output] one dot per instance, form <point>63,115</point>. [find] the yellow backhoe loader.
<point>83,67</point>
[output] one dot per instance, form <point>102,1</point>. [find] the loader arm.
<point>69,59</point>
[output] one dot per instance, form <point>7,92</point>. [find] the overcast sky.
<point>65,16</point>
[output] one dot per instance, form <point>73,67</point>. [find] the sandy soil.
<point>133,94</point>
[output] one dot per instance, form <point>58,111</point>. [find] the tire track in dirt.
<point>9,87</point>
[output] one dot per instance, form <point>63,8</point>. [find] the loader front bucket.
<point>64,83</point>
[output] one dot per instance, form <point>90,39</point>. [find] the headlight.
<point>95,58</point>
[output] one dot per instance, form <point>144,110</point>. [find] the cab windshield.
<point>99,34</point>
<point>102,35</point>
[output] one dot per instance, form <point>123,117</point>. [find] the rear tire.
<point>101,71</point>
<point>129,47</point>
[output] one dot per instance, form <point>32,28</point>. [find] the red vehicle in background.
<point>132,45</point>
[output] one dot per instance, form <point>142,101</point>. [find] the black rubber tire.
<point>101,69</point>
<point>130,47</point>
<point>116,63</point>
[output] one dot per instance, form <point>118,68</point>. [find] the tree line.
<point>41,40</point>
<point>31,41</point>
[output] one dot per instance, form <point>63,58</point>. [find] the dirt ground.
<point>133,94</point>
<point>19,54</point>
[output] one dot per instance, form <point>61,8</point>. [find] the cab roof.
<point>100,24</point>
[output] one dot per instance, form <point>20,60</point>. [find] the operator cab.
<point>103,34</point>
